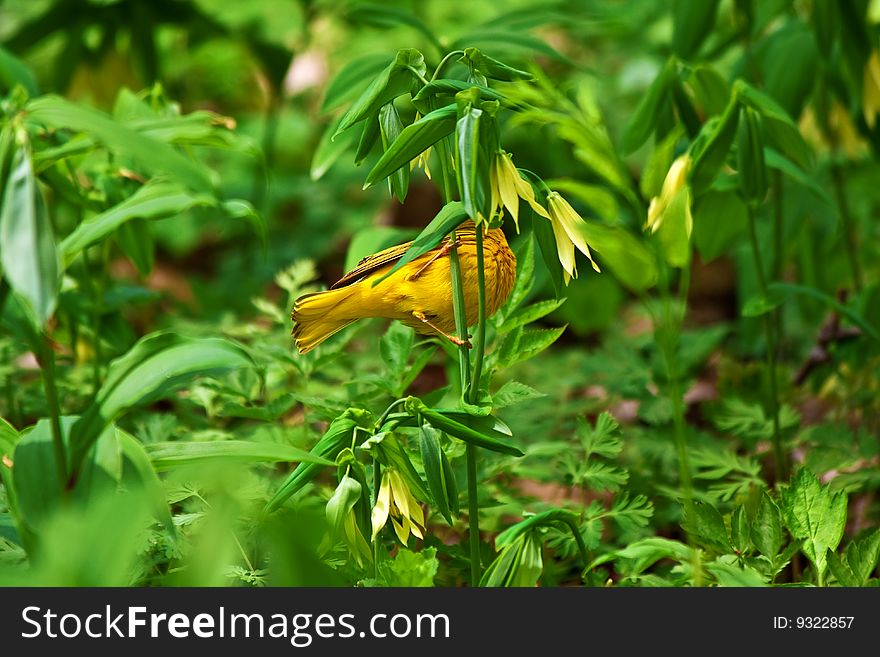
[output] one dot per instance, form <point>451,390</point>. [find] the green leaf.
<point>816,515</point>
<point>740,538</point>
<point>791,289</point>
<point>628,257</point>
<point>450,216</point>
<point>28,255</point>
<point>661,158</point>
<point>413,140</point>
<point>719,219</point>
<point>340,504</point>
<point>135,454</point>
<point>158,199</point>
<point>738,575</point>
<point>410,569</point>
<point>521,345</point>
<point>776,160</point>
<point>549,517</point>
<point>431,92</point>
<point>693,21</point>
<point>529,314</point>
<point>514,392</point>
<point>329,150</point>
<point>153,368</point>
<point>352,77</point>
<point>711,90</point>
<point>470,429</point>
<point>790,61</point>
<point>710,149</point>
<point>841,570</point>
<point>751,167</point>
<point>781,131</point>
<point>859,561</point>
<point>492,68</point>
<point>381,15</point>
<point>13,71</point>
<point>474,195</point>
<point>761,305</point>
<point>337,436</point>
<point>395,347</point>
<point>136,241</point>
<point>543,230</point>
<point>8,438</point>
<point>395,80</point>
<point>525,274</point>
<point>644,119</point>
<point>437,472</point>
<point>156,157</point>
<point>168,455</point>
<point>508,40</point>
<point>767,528</point>
<point>708,526</point>
<point>390,128</point>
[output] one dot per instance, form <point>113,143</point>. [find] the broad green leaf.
<point>438,472</point>
<point>737,575</point>
<point>529,314</point>
<point>492,68</point>
<point>13,71</point>
<point>457,428</point>
<point>369,137</point>
<point>337,437</point>
<point>508,40</point>
<point>28,254</point>
<point>543,230</point>
<point>156,366</point>
<point>450,216</point>
<point>528,344</point>
<point>413,140</point>
<point>136,241</point>
<point>647,113</point>
<point>514,392</point>
<point>693,21</point>
<point>435,89</point>
<point>767,528</point>
<point>156,157</point>
<point>628,257</point>
<point>474,195</point>
<point>841,570</point>
<point>395,80</point>
<point>550,517</point>
<point>710,88</point>
<point>383,15</point>
<point>815,514</point>
<point>719,219</point>
<point>708,527</point>
<point>395,347</point>
<point>740,534</point>
<point>8,438</point>
<point>341,503</point>
<point>390,128</point>
<point>525,270</point>
<point>329,150</point>
<point>780,130</point>
<point>165,456</point>
<point>157,199</point>
<point>776,160</point>
<point>790,61</point>
<point>135,454</point>
<point>712,146</point>
<point>410,569</point>
<point>351,78</point>
<point>751,167</point>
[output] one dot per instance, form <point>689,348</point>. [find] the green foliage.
<point>636,425</point>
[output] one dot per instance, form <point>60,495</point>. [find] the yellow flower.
<point>672,185</point>
<point>508,187</point>
<point>871,89</point>
<point>566,229</point>
<point>395,501</point>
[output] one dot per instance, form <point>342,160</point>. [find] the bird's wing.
<point>371,263</point>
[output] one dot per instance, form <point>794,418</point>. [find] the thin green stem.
<point>377,483</point>
<point>473,515</point>
<point>780,464</point>
<point>444,62</point>
<point>848,225</point>
<point>480,337</point>
<point>47,369</point>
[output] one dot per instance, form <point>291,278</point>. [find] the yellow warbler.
<point>418,294</point>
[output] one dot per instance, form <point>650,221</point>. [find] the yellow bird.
<point>418,294</point>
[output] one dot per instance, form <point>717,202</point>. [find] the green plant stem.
<point>480,337</point>
<point>443,62</point>
<point>47,369</point>
<point>778,248</point>
<point>848,225</point>
<point>582,548</point>
<point>780,464</point>
<point>377,484</point>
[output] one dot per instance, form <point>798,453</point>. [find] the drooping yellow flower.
<point>871,89</point>
<point>395,501</point>
<point>508,186</point>
<point>673,184</point>
<point>566,229</point>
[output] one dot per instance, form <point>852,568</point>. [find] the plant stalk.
<point>848,225</point>
<point>47,369</point>
<point>780,464</point>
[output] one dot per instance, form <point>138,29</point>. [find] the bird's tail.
<point>319,315</point>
